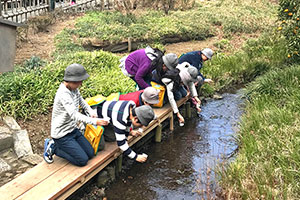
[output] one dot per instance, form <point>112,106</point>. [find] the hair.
<point>173,74</point>
<point>133,111</point>
<point>158,62</point>
<point>135,115</point>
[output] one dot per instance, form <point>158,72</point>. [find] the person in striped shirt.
<point>124,116</point>
<point>67,140</point>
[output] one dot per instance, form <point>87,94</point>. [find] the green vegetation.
<point>203,21</point>
<point>25,93</point>
<point>254,59</point>
<point>289,16</point>
<point>267,166</point>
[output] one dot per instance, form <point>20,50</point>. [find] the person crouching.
<point>67,140</point>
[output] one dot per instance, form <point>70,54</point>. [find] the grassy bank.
<point>206,19</point>
<point>256,57</point>
<point>268,163</point>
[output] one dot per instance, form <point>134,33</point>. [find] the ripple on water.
<point>182,166</point>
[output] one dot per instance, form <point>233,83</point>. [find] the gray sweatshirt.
<point>65,113</point>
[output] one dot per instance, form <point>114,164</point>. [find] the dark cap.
<point>145,114</point>
<point>75,72</point>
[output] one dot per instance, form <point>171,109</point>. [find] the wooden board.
<point>31,178</point>
<point>60,179</point>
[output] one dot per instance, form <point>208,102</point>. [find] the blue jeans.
<point>74,147</point>
<point>179,93</point>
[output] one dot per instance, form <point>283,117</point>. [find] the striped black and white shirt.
<point>119,112</point>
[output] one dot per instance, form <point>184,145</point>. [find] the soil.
<point>42,45</point>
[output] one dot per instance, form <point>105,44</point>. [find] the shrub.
<point>33,63</point>
<point>23,94</point>
<point>257,57</point>
<point>289,14</point>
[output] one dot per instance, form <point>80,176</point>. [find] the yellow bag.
<point>161,94</point>
<point>93,101</point>
<point>113,97</point>
<point>94,135</point>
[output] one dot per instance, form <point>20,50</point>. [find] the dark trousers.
<point>74,147</point>
<point>179,93</point>
<point>147,79</point>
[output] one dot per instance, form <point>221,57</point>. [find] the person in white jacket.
<point>184,74</point>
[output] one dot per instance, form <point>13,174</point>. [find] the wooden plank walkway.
<point>60,179</point>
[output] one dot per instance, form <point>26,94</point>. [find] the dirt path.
<point>42,44</point>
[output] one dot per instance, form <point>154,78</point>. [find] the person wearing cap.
<point>139,65</point>
<point>184,74</point>
<point>67,140</point>
<point>197,59</point>
<point>148,96</point>
<point>168,62</point>
<point>124,116</point>
<point>189,79</point>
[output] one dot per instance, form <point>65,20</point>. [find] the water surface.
<point>182,166</point>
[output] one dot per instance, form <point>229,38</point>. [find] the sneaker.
<point>48,150</point>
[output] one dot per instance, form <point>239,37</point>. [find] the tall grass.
<point>24,94</point>
<point>256,57</point>
<point>268,163</point>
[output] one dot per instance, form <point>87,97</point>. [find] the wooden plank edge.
<point>10,189</point>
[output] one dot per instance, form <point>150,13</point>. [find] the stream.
<point>183,165</point>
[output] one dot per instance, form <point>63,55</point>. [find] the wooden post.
<point>158,133</point>
<point>108,8</point>
<point>171,121</point>
<point>188,110</point>
<point>183,112</point>
<point>129,44</point>
<point>198,89</point>
<point>119,164</point>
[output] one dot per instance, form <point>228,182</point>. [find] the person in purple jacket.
<point>139,65</point>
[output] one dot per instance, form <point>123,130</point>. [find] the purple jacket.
<point>138,64</point>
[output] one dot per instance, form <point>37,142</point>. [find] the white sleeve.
<point>86,106</point>
<point>169,85</point>
<point>192,89</point>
